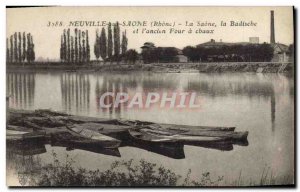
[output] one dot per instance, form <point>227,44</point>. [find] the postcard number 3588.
<point>54,24</point>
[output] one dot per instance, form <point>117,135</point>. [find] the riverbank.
<point>254,67</point>
<point>142,173</point>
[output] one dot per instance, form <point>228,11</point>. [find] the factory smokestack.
<point>272,39</point>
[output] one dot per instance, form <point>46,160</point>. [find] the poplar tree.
<point>80,48</point>
<point>24,47</point>
<point>117,41</point>
<point>11,49</point>
<point>32,49</point>
<point>97,46</point>
<point>103,49</point>
<point>28,48</point>
<point>109,42</point>
<point>62,48</point>
<point>65,46</point>
<point>124,43</point>
<point>19,47</point>
<point>7,51</point>
<point>88,54</point>
<point>76,45</point>
<point>72,50</point>
<point>68,45</point>
<point>83,56</point>
<point>16,47</point>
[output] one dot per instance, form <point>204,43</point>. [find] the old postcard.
<point>150,96</point>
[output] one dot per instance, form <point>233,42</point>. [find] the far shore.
<point>93,66</point>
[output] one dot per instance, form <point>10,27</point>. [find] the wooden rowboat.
<point>148,137</point>
<point>13,135</point>
<point>198,135</point>
<point>180,137</point>
<point>173,127</point>
<point>174,142</point>
<point>86,136</point>
<point>235,136</point>
<point>166,147</point>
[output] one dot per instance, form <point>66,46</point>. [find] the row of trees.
<point>109,47</point>
<point>246,53</point>
<point>159,54</point>
<point>75,48</point>
<point>20,48</point>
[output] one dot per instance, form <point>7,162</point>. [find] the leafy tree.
<point>267,52</point>
<point>109,42</point>
<point>131,56</point>
<point>103,50</point>
<point>192,53</point>
<point>233,53</point>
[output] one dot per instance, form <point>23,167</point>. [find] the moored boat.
<point>181,137</point>
<point>87,136</point>
<point>13,135</point>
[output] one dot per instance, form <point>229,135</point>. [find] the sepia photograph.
<point>157,96</point>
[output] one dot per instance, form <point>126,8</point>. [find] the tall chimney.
<point>272,39</point>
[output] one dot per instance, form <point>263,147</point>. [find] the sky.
<point>47,39</point>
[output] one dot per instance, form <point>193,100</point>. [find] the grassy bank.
<point>256,67</point>
<point>141,173</point>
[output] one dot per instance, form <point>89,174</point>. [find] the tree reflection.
<point>75,89</point>
<point>21,89</point>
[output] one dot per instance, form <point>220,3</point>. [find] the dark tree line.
<point>159,55</point>
<point>20,48</point>
<point>75,48</point>
<point>230,53</point>
<point>110,47</point>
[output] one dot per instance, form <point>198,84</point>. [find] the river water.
<point>262,104</point>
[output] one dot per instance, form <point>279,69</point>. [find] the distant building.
<point>216,44</point>
<point>178,58</point>
<point>281,52</point>
<point>148,45</point>
<point>181,59</point>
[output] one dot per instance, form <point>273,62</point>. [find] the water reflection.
<point>259,103</point>
<point>115,85</point>
<point>75,91</point>
<point>21,89</point>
